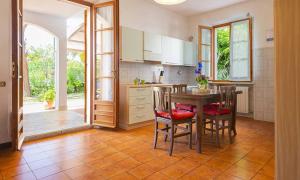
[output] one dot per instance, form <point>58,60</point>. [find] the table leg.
<point>199,127</point>
<point>234,115</point>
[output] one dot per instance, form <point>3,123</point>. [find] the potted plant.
<point>48,98</point>
<point>202,80</point>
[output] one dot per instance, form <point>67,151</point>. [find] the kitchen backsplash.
<point>150,72</point>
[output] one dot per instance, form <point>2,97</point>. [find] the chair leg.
<point>191,134</point>
<point>223,125</point>
<point>212,128</point>
<point>171,139</point>
<point>217,133</point>
<point>229,131</point>
<point>166,135</point>
<point>155,134</point>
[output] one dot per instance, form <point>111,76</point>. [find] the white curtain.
<point>240,51</point>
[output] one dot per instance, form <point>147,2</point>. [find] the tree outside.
<point>223,53</point>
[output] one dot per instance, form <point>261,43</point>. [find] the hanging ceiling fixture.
<point>169,2</point>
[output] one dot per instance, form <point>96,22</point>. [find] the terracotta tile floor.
<point>103,154</point>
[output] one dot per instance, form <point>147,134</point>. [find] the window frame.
<point>213,49</point>
<point>200,28</point>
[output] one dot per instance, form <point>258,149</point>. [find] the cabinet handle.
<point>148,51</point>
<point>140,116</point>
<point>140,89</point>
<point>140,98</point>
<point>140,107</point>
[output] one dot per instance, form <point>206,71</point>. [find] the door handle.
<point>2,83</point>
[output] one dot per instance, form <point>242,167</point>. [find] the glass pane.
<point>105,89</point>
<point>206,36</point>
<point>240,50</point>
<point>240,69</point>
<point>104,66</point>
<point>104,17</point>
<point>205,53</point>
<point>206,68</point>
<point>240,31</point>
<point>104,42</point>
<point>104,55</point>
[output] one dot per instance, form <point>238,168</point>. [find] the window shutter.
<point>240,51</point>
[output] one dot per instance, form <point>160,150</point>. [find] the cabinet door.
<point>172,51</point>
<point>132,45</point>
<point>152,47</point>
<point>189,54</point>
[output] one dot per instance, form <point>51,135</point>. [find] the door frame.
<point>15,45</point>
<point>116,7</point>
<point>17,79</point>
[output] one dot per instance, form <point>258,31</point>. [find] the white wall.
<point>5,64</point>
<point>260,10</point>
<point>263,51</point>
<point>57,26</point>
<point>143,15</point>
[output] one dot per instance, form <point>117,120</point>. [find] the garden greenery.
<point>41,71</point>
<point>223,53</point>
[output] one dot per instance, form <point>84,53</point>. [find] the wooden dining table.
<point>199,99</point>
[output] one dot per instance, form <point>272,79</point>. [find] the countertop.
<point>145,85</point>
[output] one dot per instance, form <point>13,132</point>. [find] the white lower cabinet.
<point>136,107</point>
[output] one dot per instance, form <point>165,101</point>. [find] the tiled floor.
<point>103,154</point>
<point>52,121</point>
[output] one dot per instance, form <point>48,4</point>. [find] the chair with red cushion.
<point>220,115</point>
<point>171,118</point>
<point>180,88</point>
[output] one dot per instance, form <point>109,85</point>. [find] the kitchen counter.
<point>145,85</point>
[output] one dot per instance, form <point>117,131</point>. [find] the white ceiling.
<point>65,9</point>
<point>192,7</point>
<point>59,8</point>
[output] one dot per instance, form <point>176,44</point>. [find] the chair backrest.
<point>162,99</point>
<point>179,88</point>
<point>228,95</point>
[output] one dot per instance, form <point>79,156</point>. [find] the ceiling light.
<point>169,2</point>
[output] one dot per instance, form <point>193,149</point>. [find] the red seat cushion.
<point>211,106</point>
<point>216,111</point>
<point>185,107</point>
<point>177,114</point>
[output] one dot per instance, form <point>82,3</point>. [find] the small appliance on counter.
<point>161,76</point>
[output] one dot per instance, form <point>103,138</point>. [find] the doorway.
<point>54,67</point>
<point>101,57</point>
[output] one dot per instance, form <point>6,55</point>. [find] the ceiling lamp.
<point>169,2</point>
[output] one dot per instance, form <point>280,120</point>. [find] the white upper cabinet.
<point>152,47</point>
<point>132,45</point>
<point>189,54</point>
<point>172,51</point>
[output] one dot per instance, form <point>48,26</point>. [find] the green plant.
<point>75,73</point>
<point>201,80</point>
<point>49,95</point>
<point>41,69</point>
<point>223,53</point>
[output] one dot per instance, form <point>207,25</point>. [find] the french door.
<point>106,64</point>
<point>17,74</point>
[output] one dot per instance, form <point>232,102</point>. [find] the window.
<point>231,51</point>
<point>205,47</point>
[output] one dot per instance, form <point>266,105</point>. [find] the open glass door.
<point>106,65</point>
<point>17,74</point>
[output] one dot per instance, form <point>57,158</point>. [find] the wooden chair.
<point>218,114</point>
<point>171,118</point>
<point>181,88</point>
